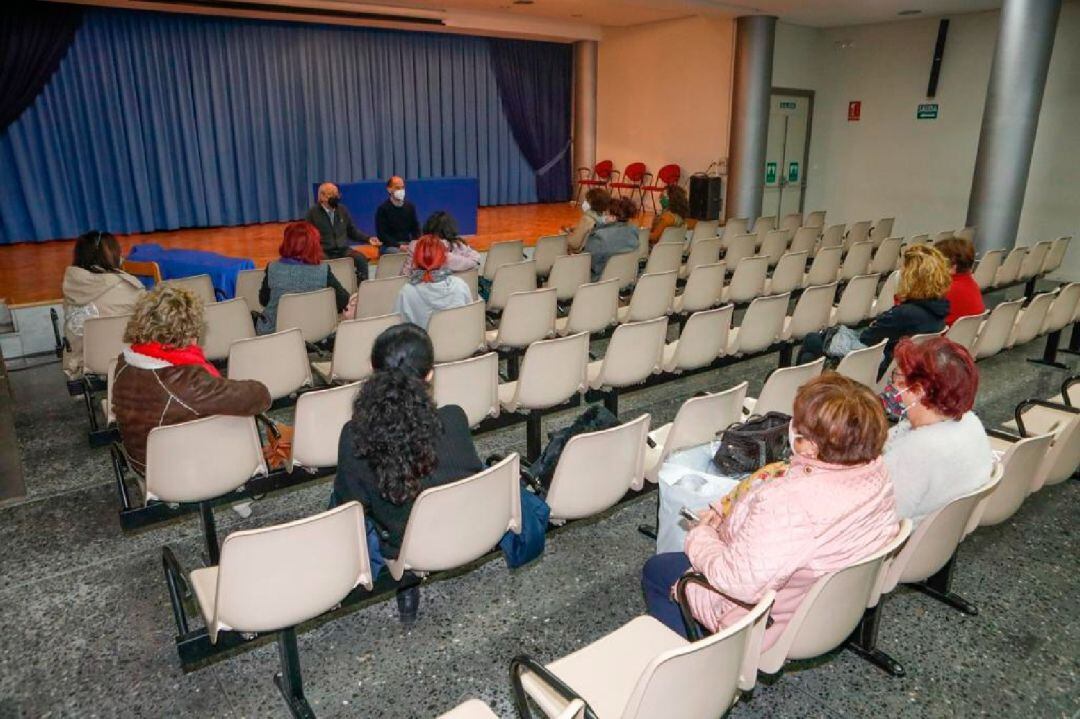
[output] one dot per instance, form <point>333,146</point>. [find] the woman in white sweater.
<point>939,450</point>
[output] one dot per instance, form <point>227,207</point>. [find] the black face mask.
<point>333,201</point>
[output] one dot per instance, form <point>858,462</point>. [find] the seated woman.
<point>593,213</point>
<point>431,285</point>
<point>920,306</point>
<point>675,206</point>
<point>397,443</point>
<point>939,451</point>
<point>831,507</point>
<point>300,269</point>
<point>616,238</point>
<point>964,296</point>
<point>459,256</point>
<point>163,378</point>
<point>94,286</point>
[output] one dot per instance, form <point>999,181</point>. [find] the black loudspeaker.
<point>939,53</point>
<point>706,196</point>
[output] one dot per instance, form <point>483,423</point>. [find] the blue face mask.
<point>891,398</point>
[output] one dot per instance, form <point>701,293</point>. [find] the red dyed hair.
<point>943,370</point>
<point>428,255</point>
<point>302,242</point>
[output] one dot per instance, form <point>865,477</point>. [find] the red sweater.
<point>965,298</point>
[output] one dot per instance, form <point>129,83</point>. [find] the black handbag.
<point>748,446</point>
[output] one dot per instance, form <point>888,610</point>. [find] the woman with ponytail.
<point>432,286</point>
<point>397,443</point>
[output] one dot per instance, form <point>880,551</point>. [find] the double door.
<point>787,152</point>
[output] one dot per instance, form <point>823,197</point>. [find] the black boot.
<point>408,604</point>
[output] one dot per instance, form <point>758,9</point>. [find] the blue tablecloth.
<point>460,196</point>
<point>187,263</point>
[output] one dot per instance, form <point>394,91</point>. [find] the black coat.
<point>336,237</point>
<point>911,317</point>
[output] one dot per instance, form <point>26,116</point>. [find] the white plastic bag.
<point>687,480</point>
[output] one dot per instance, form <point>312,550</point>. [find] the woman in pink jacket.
<point>832,506</point>
<point>459,256</point>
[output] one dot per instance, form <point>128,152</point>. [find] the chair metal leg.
<point>649,530</point>
<point>534,436</point>
<point>1074,340</point>
<point>863,641</point>
<point>1050,350</point>
<point>786,353</point>
<point>1029,288</point>
<point>611,401</point>
<point>118,472</point>
<point>288,680</point>
<point>88,399</point>
<point>213,551</point>
<point>938,587</point>
<point>513,365</point>
<point>174,580</point>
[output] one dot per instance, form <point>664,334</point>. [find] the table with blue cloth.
<point>188,263</point>
<point>460,196</point>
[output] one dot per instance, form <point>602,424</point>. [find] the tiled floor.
<point>85,627</point>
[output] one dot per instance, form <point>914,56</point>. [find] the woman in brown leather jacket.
<point>163,377</point>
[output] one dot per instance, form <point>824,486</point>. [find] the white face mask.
<point>585,206</point>
<point>398,195</point>
<point>792,435</point>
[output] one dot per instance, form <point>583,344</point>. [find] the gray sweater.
<point>606,241</point>
<point>285,277</point>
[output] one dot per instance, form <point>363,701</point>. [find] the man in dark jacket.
<point>395,219</point>
<point>337,229</point>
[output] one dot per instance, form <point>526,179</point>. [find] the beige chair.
<point>664,257</point>
<point>375,298</point>
<point>886,256</point>
<point>778,394</point>
<point>1056,255</point>
<point>704,230</point>
<point>248,284</point>
<point>805,240</point>
<point>313,313</point>
<point>1033,261</point>
<point>317,424</point>
<point>965,330</point>
<point>594,309</point>
<point>106,404</point>
<point>622,268</point>
<point>774,245</point>
<point>994,333</point>
<point>226,322</point>
<point>791,222</point>
<point>633,354</point>
<point>568,273</point>
<point>547,250</point>
<point>103,341</point>
<point>862,365</point>
<point>673,236</point>
<point>597,469</point>
<point>643,245</point>
<point>472,384</point>
<point>733,227</point>
<point>702,252</point>
<point>857,232</point>
<point>918,240</point>
<point>886,295</point>
<point>788,275</point>
<point>703,289</point>
<point>812,312</point>
<point>764,224</point>
<point>1022,463</point>
<point>1009,270</point>
<point>1065,307</point>
<point>882,230</point>
<point>389,265</point>
<point>476,709</point>
<point>278,360</point>
<point>698,421</point>
<point>552,372</point>
<point>458,332</point>
<point>833,236</point>
<point>856,301</point>
<point>947,234</point>
<point>815,219</point>
<point>344,271</point>
<point>199,285</point>
<point>527,318</point>
<point>825,267</point>
<point>738,249</point>
<point>502,253</point>
<point>986,270</point>
<point>748,280</point>
<point>856,261</point>
<point>1063,424</point>
<point>351,360</point>
<point>510,278</point>
<point>1030,319</point>
<point>761,326</point>
<point>968,233</point>
<point>702,340</point>
<point>643,669</point>
<point>472,279</point>
<point>654,295</point>
<point>454,524</point>
<point>274,578</point>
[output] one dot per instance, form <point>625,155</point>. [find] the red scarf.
<point>192,354</point>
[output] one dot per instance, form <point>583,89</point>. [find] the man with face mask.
<point>395,220</point>
<point>337,229</point>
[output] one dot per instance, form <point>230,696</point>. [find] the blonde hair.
<point>924,274</point>
<point>172,316</point>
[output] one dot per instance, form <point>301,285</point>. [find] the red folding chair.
<point>599,176</point>
<point>633,179</point>
<point>668,175</point>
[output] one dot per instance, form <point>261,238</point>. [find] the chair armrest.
<point>1002,434</point>
<point>1065,389</point>
<point>1027,403</point>
<point>522,662</point>
<point>647,178</point>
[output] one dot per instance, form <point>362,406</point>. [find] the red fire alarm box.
<point>854,110</point>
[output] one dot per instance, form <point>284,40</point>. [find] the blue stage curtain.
<point>157,121</point>
<point>534,85</point>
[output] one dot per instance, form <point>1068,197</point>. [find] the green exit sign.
<point>928,111</point>
<point>787,105</point>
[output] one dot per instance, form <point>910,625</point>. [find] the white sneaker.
<point>243,509</point>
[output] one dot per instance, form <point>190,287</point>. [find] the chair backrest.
<point>1056,255</point>
<point>511,277</point>
<point>995,331</point>
<point>277,577</point>
<point>986,269</point>
<point>547,250</point>
<point>226,322</point>
<point>457,523</point>
<point>763,225</point>
<point>703,287</point>
<point>703,252</point>
<point>150,270</point>
<point>344,271</point>
<point>595,307</point>
<point>389,265</point>
<point>472,384</point>
<point>596,469</point>
<point>673,235</point>
<point>815,219</point>
<point>887,294</point>
<point>552,372</point>
<point>622,267</point>
<point>248,283</point>
<point>1010,266</point>
<point>1033,260</point>
<point>805,239</point>
<point>739,248</point>
<point>643,245</point>
<point>568,273</point>
<point>862,365</point>
<point>653,296</point>
<point>825,267</point>
<point>698,421</point>
<point>887,256</point>
<point>748,281</point>
<point>103,340</point>
<point>703,339</point>
<point>704,230</point>
<point>1021,465</point>
<point>664,257</point>
<point>200,285</point>
<point>882,230</point>
<point>278,360</point>
<point>669,174</point>
<point>603,169</point>
<point>110,377</point>
<point>944,235</point>
<point>633,353</point>
<point>528,317</point>
<point>1030,319</point>
<point>788,275</point>
<point>833,236</point>
<point>791,222</point>
<point>856,261</point>
<point>778,394</point>
<point>229,454</point>
<point>856,300</point>
<point>761,325</point>
<point>377,297</point>
<point>313,313</point>
<point>812,311</point>
<point>1063,310</point>
<point>858,232</point>
<point>968,233</point>
<point>733,227</point>
<point>471,278</point>
<point>774,245</point>
<point>1064,456</point>
<point>634,172</point>
<point>502,253</point>
<point>317,424</point>
<point>352,346</point>
<point>457,332</point>
<point>965,329</point>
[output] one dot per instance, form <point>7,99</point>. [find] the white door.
<point>786,153</point>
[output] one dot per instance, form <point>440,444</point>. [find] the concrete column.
<point>754,37</point>
<point>1011,116</point>
<point>585,52</point>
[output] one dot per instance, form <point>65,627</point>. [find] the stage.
<point>32,272</point>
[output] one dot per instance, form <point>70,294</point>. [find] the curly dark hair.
<point>395,423</point>
<point>441,224</point>
<point>678,202</point>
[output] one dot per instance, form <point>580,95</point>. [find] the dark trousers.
<point>813,346</point>
<point>658,576</point>
<point>361,266</point>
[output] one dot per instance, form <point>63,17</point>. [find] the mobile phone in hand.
<point>687,514</point>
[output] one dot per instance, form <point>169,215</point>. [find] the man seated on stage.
<point>336,229</point>
<point>395,220</point>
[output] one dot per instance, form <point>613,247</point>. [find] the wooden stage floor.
<point>32,272</point>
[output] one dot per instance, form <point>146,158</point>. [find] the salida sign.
<point>854,111</point>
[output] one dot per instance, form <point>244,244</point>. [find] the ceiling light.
<point>905,13</point>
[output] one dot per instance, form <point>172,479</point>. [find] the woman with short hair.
<point>300,269</point>
<point>675,208</point>
<point>431,287</point>
<point>615,238</point>
<point>459,255</point>
<point>964,295</point>
<point>593,213</point>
